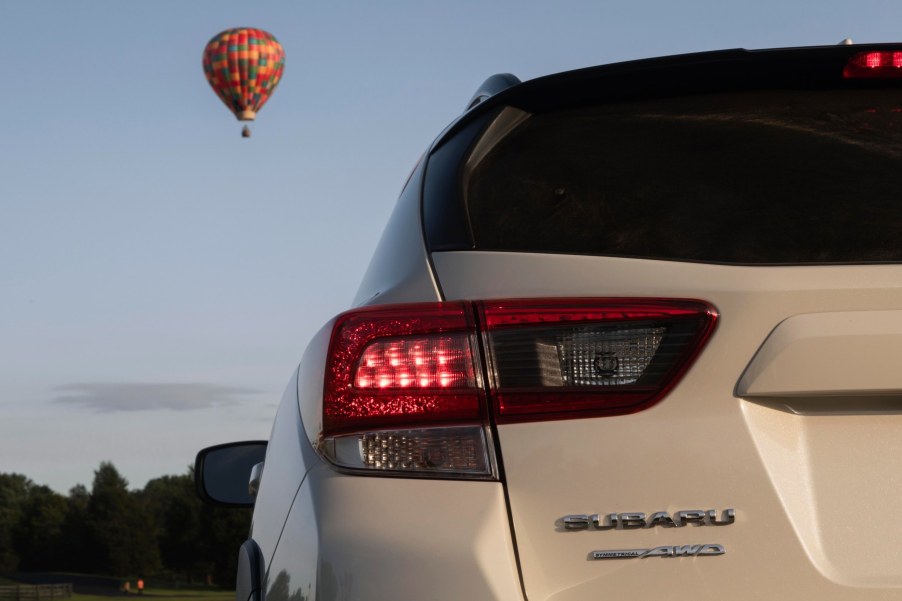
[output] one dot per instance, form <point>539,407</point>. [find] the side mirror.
<point>229,474</point>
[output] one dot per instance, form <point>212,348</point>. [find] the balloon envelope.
<point>244,66</point>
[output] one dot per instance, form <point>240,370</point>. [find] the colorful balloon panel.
<point>243,67</point>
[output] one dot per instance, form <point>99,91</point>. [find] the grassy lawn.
<point>172,594</point>
<point>150,593</point>
<point>169,594</point>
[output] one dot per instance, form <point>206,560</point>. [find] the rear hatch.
<point>761,186</point>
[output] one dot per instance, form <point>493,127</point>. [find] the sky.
<point>160,276</point>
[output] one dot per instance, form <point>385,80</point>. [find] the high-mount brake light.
<point>883,64</point>
<point>405,393</point>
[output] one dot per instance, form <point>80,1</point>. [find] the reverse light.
<point>560,359</point>
<point>874,65</point>
<point>414,389</point>
<point>459,450</point>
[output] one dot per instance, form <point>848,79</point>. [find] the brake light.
<point>402,364</point>
<point>424,363</point>
<point>874,64</point>
<point>406,390</point>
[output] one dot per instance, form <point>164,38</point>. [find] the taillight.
<point>563,358</point>
<point>403,392</point>
<point>874,65</point>
<point>402,365</point>
<point>408,387</point>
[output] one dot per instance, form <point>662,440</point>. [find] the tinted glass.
<point>227,470</point>
<point>752,178</point>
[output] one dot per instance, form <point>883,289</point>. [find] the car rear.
<point>643,343</point>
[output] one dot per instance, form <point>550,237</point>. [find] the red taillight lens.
<point>565,359</point>
<point>874,64</point>
<point>402,365</point>
<point>405,391</point>
<point>417,363</point>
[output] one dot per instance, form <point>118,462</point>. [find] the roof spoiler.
<point>494,84</point>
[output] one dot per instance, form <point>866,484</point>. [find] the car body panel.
<point>351,537</point>
<point>282,476</point>
<point>857,356</point>
<point>810,491</point>
<point>399,270</point>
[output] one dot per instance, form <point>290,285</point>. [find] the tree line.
<point>162,531</point>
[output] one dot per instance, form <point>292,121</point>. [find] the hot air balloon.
<point>244,67</point>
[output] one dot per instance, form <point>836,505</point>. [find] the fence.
<point>27,592</point>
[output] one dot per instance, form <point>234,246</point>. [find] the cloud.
<point>105,397</point>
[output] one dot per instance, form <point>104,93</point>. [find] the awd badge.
<point>666,551</point>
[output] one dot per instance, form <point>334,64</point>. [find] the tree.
<point>38,534</point>
<point>13,495</point>
<point>195,539</point>
<point>176,511</point>
<point>120,527</point>
<point>77,547</point>
<point>113,531</point>
<point>222,530</point>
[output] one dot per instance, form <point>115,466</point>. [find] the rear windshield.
<point>751,178</point>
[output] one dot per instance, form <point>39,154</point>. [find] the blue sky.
<point>160,276</point>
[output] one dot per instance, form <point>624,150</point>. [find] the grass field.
<point>151,593</point>
<point>159,593</point>
<point>199,595</point>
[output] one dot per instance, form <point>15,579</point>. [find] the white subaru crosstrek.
<point>632,332</point>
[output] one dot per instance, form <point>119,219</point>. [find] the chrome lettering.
<point>576,522</point>
<point>712,550</point>
<point>636,519</point>
<point>708,549</point>
<point>609,521</point>
<point>628,521</point>
<point>660,518</point>
<point>618,554</point>
<point>685,550</point>
<point>659,552</point>
<point>727,517</point>
<point>691,516</point>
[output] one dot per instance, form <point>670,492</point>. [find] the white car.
<point>632,332</point>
